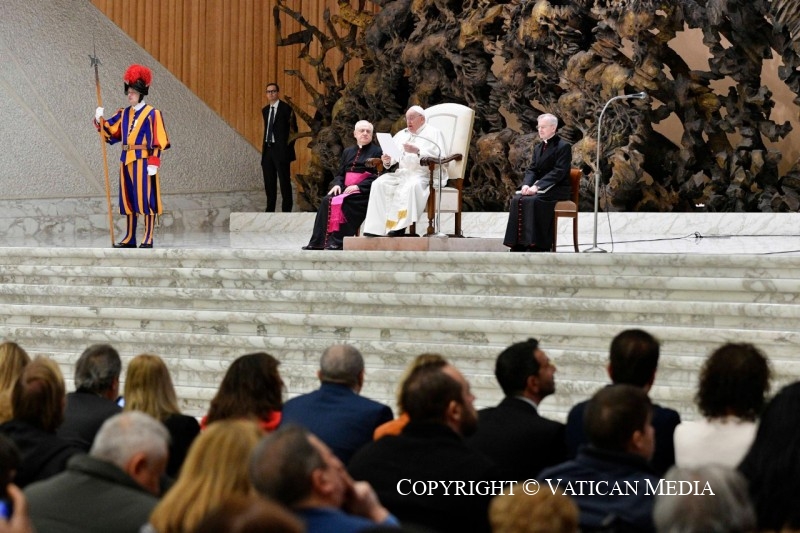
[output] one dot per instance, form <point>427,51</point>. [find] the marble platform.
<point>703,233</point>
<point>206,295</point>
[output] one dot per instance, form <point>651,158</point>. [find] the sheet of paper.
<point>389,147</point>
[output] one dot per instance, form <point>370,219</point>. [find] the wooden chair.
<point>455,122</point>
<point>569,209</point>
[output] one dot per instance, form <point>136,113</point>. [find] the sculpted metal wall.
<point>512,61</point>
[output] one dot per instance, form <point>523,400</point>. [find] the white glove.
<point>151,170</point>
<point>98,114</point>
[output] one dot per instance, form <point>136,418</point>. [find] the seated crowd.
<point>334,460</point>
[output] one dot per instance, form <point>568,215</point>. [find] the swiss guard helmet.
<point>138,78</point>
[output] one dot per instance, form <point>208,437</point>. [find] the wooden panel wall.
<point>226,52</point>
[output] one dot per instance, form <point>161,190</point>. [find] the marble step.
<point>243,311</point>
<point>749,267</point>
<point>778,287</point>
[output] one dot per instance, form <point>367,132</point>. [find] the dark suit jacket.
<point>429,452</point>
<point>664,422</point>
<point>182,431</point>
<point>340,417</point>
<point>518,439</point>
<point>84,415</point>
<point>549,169</point>
<point>284,126</point>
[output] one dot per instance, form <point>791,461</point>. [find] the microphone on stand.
<point>635,96</point>
<point>438,227</point>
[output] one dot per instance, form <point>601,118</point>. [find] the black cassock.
<point>530,218</point>
<point>354,206</point>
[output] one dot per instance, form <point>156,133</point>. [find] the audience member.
<point>95,398</point>
<point>296,469</point>
<point>148,388</point>
<point>398,199</point>
<point>532,209</point>
<point>113,488</point>
<point>439,404</point>
<point>12,360</point>
<point>519,440</point>
<point>20,520</point>
<point>725,506</point>
<point>249,514</point>
<point>252,388</point>
<point>38,405</point>
<point>772,464</point>
<point>618,423</point>
<point>215,468</point>
<point>543,512</point>
<point>394,427</point>
<point>633,360</point>
<point>343,209</point>
<point>14,517</point>
<point>732,391</point>
<point>336,412</point>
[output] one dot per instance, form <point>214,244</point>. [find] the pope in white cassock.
<point>398,198</point>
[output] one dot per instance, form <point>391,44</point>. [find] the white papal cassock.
<point>397,199</point>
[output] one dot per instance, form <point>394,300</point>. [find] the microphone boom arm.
<point>597,174</point>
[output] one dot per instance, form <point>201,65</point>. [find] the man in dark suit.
<point>633,360</point>
<point>95,398</point>
<point>342,211</point>
<point>277,152</point>
<point>336,413</point>
<point>513,434</point>
<point>546,182</point>
<point>428,476</point>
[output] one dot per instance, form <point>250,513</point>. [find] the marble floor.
<point>712,244</point>
<point>291,231</point>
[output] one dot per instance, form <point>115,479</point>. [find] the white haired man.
<point>114,488</point>
<point>546,182</point>
<point>398,198</point>
<point>342,210</point>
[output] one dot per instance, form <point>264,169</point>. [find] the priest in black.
<point>532,209</point>
<point>342,211</point>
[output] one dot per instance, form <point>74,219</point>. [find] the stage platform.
<point>202,297</point>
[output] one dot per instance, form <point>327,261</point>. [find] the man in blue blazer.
<point>336,413</point>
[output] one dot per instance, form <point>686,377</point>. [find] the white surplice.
<point>397,199</point>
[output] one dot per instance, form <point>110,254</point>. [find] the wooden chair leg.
<point>555,233</point>
<point>575,233</point>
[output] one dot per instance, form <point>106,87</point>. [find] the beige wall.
<point>226,51</point>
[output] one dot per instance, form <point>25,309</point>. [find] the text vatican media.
<point>630,488</point>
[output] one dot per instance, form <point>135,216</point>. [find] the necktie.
<point>270,122</point>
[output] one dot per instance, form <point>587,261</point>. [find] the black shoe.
<point>517,248</point>
<point>129,244</point>
<point>534,248</point>
<point>309,247</point>
<point>372,235</point>
<point>397,233</point>
<point>333,246</point>
<point>146,245</point>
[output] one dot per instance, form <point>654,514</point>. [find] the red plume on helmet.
<point>138,77</point>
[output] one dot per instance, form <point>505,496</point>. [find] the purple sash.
<point>335,214</point>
